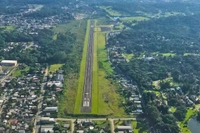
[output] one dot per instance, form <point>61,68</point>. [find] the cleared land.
<point>20,72</point>
<point>108,99</point>
<point>8,27</point>
<point>95,77</point>
<point>78,102</point>
<point>110,11</point>
<point>53,68</point>
<point>129,19</point>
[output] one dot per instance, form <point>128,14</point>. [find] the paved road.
<point>99,119</point>
<point>37,116</point>
<point>87,88</point>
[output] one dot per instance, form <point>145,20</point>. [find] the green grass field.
<point>77,108</point>
<point>129,19</point>
<point>54,67</point>
<point>67,101</point>
<point>8,27</point>
<point>110,11</point>
<point>95,77</point>
<point>20,72</point>
<point>168,54</point>
<point>108,99</point>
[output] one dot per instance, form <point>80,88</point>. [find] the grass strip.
<point>77,108</point>
<point>95,76</point>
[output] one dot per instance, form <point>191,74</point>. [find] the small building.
<point>47,120</point>
<point>8,62</point>
<point>128,129</point>
<point>51,109</point>
<point>46,129</point>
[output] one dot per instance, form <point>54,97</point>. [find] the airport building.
<point>8,62</point>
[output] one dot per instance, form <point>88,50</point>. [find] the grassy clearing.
<point>54,67</point>
<point>156,83</point>
<point>20,72</point>
<point>70,26</point>
<point>108,99</point>
<point>129,19</point>
<point>139,127</point>
<point>128,56</point>
<point>95,78</point>
<point>8,27</point>
<point>156,92</point>
<point>110,11</point>
<point>168,54</point>
<point>102,124</point>
<point>172,109</point>
<point>77,108</point>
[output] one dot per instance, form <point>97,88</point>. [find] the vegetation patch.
<point>8,27</point>
<point>110,11</point>
<point>130,19</point>
<point>20,72</point>
<point>95,78</point>
<point>108,98</point>
<point>77,108</point>
<point>55,67</point>
<point>139,127</point>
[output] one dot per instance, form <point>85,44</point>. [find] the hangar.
<point>8,62</point>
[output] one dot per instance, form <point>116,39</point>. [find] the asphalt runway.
<point>87,88</point>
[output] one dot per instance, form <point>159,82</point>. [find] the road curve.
<point>87,88</point>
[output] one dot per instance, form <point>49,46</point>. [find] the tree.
<point>180,112</point>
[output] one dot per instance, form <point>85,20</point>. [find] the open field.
<point>35,6</point>
<point>20,72</point>
<point>108,99</point>
<point>8,27</point>
<point>95,78</point>
<point>129,19</point>
<point>77,108</point>
<point>128,56</point>
<point>156,83</point>
<point>67,102</point>
<point>54,67</point>
<point>110,11</point>
<point>72,26</point>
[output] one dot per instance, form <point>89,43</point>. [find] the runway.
<point>87,88</point>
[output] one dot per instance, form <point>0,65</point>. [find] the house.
<point>46,129</point>
<point>128,129</point>
<point>51,109</point>
<point>47,120</point>
<point>22,131</point>
<point>60,77</point>
<point>66,126</point>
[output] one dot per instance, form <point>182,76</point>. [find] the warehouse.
<point>8,62</point>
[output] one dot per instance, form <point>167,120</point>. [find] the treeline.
<point>50,10</point>
<point>178,34</point>
<point>132,8</point>
<point>49,51</point>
